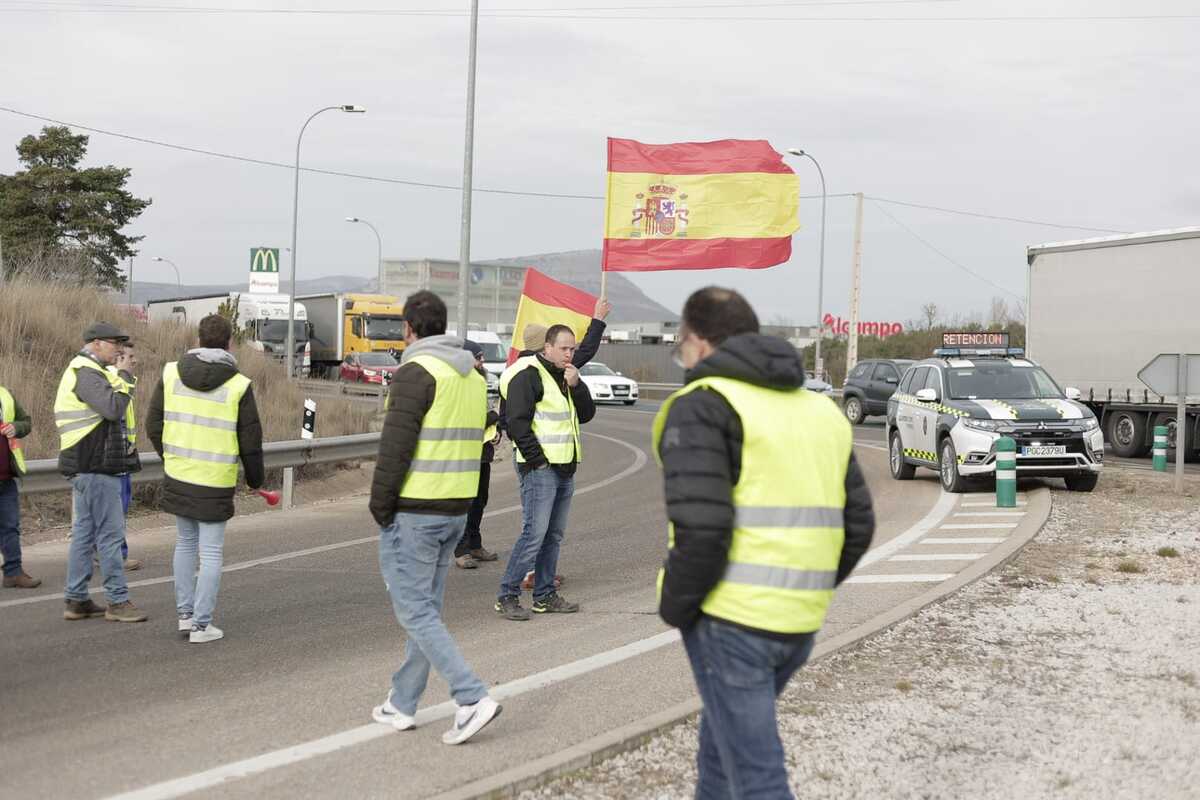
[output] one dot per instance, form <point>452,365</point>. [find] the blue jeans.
<point>414,557</point>
<point>10,527</point>
<point>194,595</point>
<point>739,674</point>
<point>99,525</point>
<point>545,503</point>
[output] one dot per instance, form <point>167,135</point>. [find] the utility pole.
<point>855,286</point>
<point>464,247</point>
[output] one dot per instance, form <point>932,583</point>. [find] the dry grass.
<point>40,328</point>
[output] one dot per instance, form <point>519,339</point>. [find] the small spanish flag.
<point>698,205</point>
<point>545,301</point>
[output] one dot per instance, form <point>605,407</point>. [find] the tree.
<point>52,210</point>
<point>930,312</point>
<point>229,310</point>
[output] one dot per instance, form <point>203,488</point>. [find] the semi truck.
<point>1102,309</point>
<point>262,319</point>
<point>344,323</point>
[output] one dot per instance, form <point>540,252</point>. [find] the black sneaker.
<point>510,608</point>
<point>554,604</point>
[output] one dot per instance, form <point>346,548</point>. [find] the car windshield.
<point>377,360</point>
<point>386,329</point>
<point>275,330</point>
<point>1001,380</point>
<point>596,369</point>
<point>493,352</point>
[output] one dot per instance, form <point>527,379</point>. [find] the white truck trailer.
<point>262,318</point>
<point>1101,309</point>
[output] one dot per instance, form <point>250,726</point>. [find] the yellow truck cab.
<point>345,323</point>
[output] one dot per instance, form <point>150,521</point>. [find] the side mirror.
<point>892,381</point>
<point>927,395</point>
<point>1072,393</point>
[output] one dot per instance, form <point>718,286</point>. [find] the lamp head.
<point>158,258</point>
<point>353,109</point>
<point>351,219</point>
<point>796,151</point>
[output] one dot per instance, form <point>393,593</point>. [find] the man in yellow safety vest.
<point>426,476</point>
<point>768,513</point>
<point>14,426</point>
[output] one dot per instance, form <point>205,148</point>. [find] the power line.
<point>77,5</point>
<point>961,266</point>
<point>993,216</point>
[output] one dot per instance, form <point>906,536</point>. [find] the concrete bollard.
<point>1006,472</point>
<point>1160,448</point>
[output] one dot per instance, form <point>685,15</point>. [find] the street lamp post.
<point>464,245</point>
<point>817,364</point>
<point>178,280</point>
<point>290,356</point>
<point>379,241</point>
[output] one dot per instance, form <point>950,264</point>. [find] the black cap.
<point>475,348</point>
<point>104,330</point>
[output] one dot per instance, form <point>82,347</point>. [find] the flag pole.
<point>603,284</point>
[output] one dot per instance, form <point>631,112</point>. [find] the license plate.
<point>1060,450</point>
<point>620,390</point>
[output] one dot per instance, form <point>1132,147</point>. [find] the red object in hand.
<point>272,498</point>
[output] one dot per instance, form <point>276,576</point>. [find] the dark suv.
<point>869,386</point>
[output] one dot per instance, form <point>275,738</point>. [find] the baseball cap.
<point>475,348</point>
<point>104,330</point>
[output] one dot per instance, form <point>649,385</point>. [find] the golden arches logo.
<point>264,259</point>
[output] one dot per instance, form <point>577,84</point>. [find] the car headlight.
<point>989,425</point>
<point>1089,424</point>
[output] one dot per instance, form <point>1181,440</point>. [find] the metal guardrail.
<point>43,476</point>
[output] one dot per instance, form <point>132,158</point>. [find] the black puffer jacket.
<point>206,503</point>
<point>701,450</point>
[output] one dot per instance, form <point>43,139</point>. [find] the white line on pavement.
<point>990,514</point>
<point>963,540</point>
<point>639,461</point>
<point>943,506</point>
<point>978,526</point>
<point>898,578</point>
<point>990,505</point>
<point>937,557</point>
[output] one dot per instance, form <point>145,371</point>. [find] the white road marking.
<point>990,514</point>
<point>937,557</point>
<point>978,526</point>
<point>990,505</point>
<point>963,540</point>
<point>940,510</point>
<point>898,578</point>
<point>639,461</point>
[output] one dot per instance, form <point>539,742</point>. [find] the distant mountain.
<point>581,269</point>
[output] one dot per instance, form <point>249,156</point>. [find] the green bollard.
<point>1006,472</point>
<point>1160,448</point>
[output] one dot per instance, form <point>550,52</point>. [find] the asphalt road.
<point>94,709</point>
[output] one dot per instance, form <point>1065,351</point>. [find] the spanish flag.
<point>545,301</point>
<point>698,205</point>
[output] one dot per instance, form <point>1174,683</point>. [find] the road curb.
<point>527,776</point>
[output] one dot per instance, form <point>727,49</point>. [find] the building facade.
<point>493,295</point>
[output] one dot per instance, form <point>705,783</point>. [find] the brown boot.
<point>133,564</point>
<point>82,609</point>
<point>483,554</point>
<point>21,581</point>
<point>465,562</point>
<point>124,612</point>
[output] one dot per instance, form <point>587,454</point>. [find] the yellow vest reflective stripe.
<point>788,503</point>
<point>199,438</point>
<point>555,423</point>
<point>445,465</point>
<point>74,418</point>
<point>8,413</point>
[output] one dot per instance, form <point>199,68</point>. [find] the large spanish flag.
<point>545,301</point>
<point>698,205</point>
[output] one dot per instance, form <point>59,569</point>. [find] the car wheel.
<point>901,469</point>
<point>854,410</point>
<point>948,468</point>
<point>1167,419</point>
<point>1127,434</point>
<point>1082,482</point>
<point>630,402</point>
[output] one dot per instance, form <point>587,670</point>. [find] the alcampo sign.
<point>841,327</point>
<point>264,270</point>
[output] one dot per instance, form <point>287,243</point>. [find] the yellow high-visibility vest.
<point>789,500</point>
<point>555,423</point>
<point>199,438</point>
<point>130,411</point>
<point>445,465</point>
<point>74,418</point>
<point>8,413</point>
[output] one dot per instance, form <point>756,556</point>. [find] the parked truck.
<point>262,318</point>
<point>1101,309</point>
<point>343,324</point>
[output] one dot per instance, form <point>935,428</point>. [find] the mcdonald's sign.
<point>264,270</point>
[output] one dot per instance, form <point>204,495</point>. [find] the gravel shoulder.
<point>1071,672</point>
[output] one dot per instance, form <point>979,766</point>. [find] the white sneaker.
<point>207,634</point>
<point>388,714</point>
<point>185,624</point>
<point>469,720</point>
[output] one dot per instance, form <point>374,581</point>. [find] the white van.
<point>495,356</point>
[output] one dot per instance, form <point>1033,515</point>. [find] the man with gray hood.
<point>202,420</point>
<point>426,476</point>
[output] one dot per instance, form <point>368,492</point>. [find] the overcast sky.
<point>1084,122</point>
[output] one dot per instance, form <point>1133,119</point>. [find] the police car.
<point>949,410</point>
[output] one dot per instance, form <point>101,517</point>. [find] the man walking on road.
<point>89,410</point>
<point>768,513</point>
<point>425,478</point>
<point>470,550</point>
<point>14,426</point>
<point>202,420</point>
<point>545,404</point>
